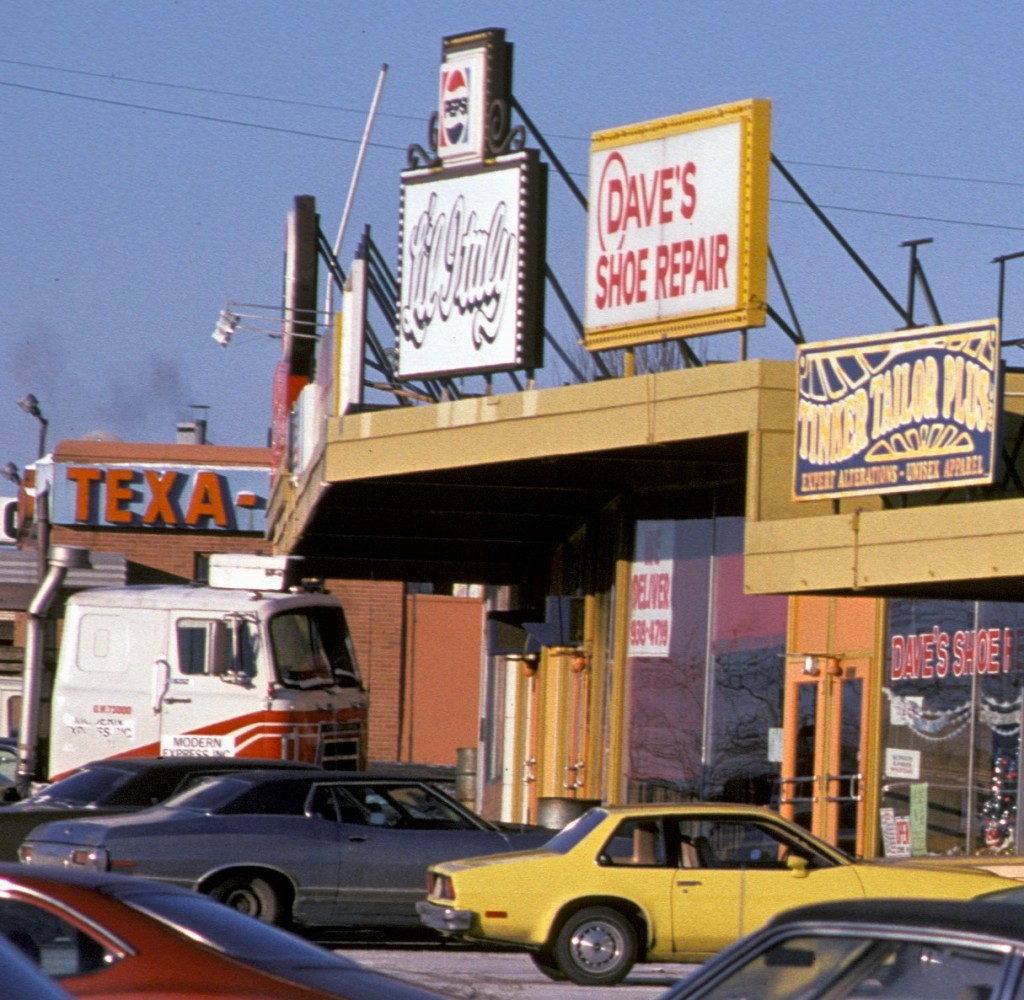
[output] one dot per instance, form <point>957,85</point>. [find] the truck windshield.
<point>312,647</point>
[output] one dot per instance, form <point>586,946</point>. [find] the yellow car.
<point>663,882</point>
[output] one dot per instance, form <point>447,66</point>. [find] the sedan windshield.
<point>207,793</point>
<point>860,966</point>
<point>87,786</point>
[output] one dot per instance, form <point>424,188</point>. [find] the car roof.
<point>257,776</point>
<point>1002,920</point>
<point>682,808</point>
<point>187,764</point>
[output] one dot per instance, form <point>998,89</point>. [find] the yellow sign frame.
<point>749,306</point>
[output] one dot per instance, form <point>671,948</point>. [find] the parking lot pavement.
<point>466,974</point>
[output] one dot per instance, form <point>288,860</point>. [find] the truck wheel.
<point>596,947</point>
<point>251,895</point>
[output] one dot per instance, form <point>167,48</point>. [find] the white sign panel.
<point>193,745</point>
<point>650,622</point>
<point>465,271</point>
<point>664,227</point>
<point>677,226</point>
<point>905,764</point>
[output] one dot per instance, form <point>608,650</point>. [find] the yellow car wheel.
<point>595,947</point>
<point>545,963</point>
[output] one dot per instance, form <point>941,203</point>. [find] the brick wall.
<point>376,618</point>
<point>157,555</point>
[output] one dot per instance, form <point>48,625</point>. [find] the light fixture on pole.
<point>41,515</point>
<point>30,405</point>
<point>227,323</point>
<point>266,321</point>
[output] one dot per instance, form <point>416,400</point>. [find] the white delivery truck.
<point>246,666</point>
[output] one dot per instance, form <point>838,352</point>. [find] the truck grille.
<point>340,745</point>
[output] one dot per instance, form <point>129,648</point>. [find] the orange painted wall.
<point>442,687</point>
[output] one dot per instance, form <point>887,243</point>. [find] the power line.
<point>300,133</point>
<point>113,77</point>
<point>907,173</point>
<point>194,115</point>
<point>904,215</point>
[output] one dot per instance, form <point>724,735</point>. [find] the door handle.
<point>177,701</point>
<point>689,881</point>
<point>359,838</point>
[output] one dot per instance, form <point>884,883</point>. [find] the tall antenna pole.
<point>329,296</point>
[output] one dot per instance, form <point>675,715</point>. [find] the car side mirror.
<point>797,865</point>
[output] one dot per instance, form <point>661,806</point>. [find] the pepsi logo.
<point>454,129</point>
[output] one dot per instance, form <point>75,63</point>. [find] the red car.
<point>105,936</point>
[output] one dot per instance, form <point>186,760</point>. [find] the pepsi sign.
<point>454,125</point>
<point>475,72</point>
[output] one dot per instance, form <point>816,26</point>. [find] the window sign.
<point>650,622</point>
<point>954,676</point>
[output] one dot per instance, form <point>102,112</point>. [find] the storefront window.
<point>705,667</point>
<point>951,727</point>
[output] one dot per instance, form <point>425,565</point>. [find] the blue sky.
<point>152,150</point>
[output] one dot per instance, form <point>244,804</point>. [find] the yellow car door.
<point>735,874</point>
<point>767,892</point>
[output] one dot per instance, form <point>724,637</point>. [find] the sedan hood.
<point>927,880</point>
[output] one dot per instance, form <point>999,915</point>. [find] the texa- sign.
<point>677,226</point>
<point>222,498</point>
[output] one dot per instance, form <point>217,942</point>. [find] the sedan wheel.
<point>546,964</point>
<point>596,947</point>
<point>253,896</point>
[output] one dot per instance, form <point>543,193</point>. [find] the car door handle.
<point>358,838</point>
<point>177,701</point>
<point>689,881</point>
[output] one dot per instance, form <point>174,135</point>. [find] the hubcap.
<point>243,902</point>
<point>597,946</point>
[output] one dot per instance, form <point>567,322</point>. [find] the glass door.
<point>824,735</point>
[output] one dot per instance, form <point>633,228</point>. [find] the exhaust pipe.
<point>62,559</point>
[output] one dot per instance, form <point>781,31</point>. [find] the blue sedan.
<point>311,848</point>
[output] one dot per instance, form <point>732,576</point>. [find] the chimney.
<point>192,432</point>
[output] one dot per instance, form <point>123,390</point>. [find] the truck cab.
<point>234,668</point>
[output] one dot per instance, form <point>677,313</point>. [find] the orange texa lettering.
<point>119,495</point>
<point>207,500</point>
<point>160,506</point>
<point>83,479</point>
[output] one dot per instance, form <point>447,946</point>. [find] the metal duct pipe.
<point>62,558</point>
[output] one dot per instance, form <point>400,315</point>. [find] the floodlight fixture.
<point>267,321</point>
<point>30,405</point>
<point>227,323</point>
